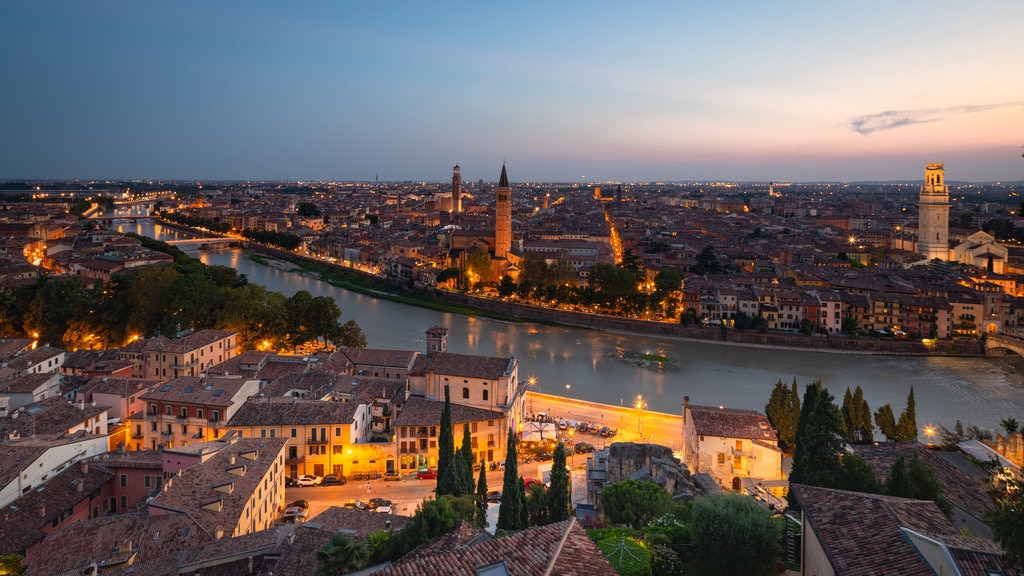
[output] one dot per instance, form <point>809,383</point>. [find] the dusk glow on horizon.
<point>564,91</point>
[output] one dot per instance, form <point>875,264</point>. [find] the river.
<point>594,365</point>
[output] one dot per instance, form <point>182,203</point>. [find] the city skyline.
<point>572,92</point>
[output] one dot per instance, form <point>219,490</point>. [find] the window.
<point>465,392</point>
<point>473,427</point>
<point>124,480</point>
<point>124,501</point>
<point>184,412</point>
<point>199,412</point>
<point>337,448</point>
<point>739,445</point>
<point>263,432</point>
<point>168,408</point>
<point>147,481</point>
<point>337,432</point>
<point>273,432</point>
<point>485,395</point>
<point>721,458</point>
<point>294,433</point>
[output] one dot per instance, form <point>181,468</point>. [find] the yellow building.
<point>418,425</point>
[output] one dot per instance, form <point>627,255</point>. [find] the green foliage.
<point>857,427</point>
<point>886,422</point>
<point>513,504</point>
<point>819,442</point>
<point>481,496</point>
<point>916,480</point>
<point>537,505</point>
<point>1010,425</point>
<point>668,280</point>
<point>506,286</point>
<point>478,264</point>
<point>433,517</point>
<point>446,470</point>
<point>627,556</point>
<point>196,222</point>
<point>339,556</point>
<point>464,464</point>
<point>734,535</point>
<point>634,502</point>
<point>11,564</point>
<point>783,412</point>
<point>858,476</point>
<point>308,209</point>
<point>273,238</point>
<point>558,502</point>
<point>1007,521</point>
<point>707,262</point>
<point>906,426</point>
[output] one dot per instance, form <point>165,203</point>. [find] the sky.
<point>566,91</point>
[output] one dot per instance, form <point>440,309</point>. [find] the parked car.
<point>494,496</point>
<point>563,424</point>
<point>376,503</point>
<point>542,456</point>
<point>582,427</point>
<point>593,428</point>
<point>353,503</point>
<point>607,432</point>
<point>294,511</point>
<point>289,482</point>
<point>583,448</point>
<point>332,480</point>
<point>426,474</point>
<point>308,480</point>
<point>392,476</point>
<point>304,504</point>
<point>531,482</point>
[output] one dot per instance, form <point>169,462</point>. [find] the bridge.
<point>204,241</point>
<point>1001,344</point>
<point>110,219</point>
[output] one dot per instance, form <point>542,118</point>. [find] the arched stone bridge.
<point>1001,344</point>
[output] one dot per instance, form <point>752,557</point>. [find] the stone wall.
<point>633,461</point>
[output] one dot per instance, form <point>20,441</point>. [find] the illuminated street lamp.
<point>567,386</point>
<point>640,415</point>
<point>930,432</point>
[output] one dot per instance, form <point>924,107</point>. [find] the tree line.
<point>166,300</point>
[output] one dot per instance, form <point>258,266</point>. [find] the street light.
<point>640,415</point>
<point>928,430</point>
<point>567,386</point>
<point>533,383</point>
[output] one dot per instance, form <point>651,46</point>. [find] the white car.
<point>307,480</point>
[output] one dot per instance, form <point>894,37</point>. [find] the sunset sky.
<point>561,91</point>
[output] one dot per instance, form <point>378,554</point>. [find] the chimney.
<point>80,486</point>
<point>218,533</point>
<point>84,466</point>
<point>231,460</point>
<point>42,510</point>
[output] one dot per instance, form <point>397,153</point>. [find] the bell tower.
<point>457,189</point>
<point>933,214</point>
<point>502,216</point>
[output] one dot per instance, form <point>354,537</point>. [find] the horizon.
<point>569,93</point>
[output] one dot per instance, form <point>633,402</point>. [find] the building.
<point>456,189</point>
<point>237,487</point>
<point>933,215</point>
<point>319,436</point>
<point>192,355</point>
<point>730,444</point>
<point>188,410</point>
<point>417,430</point>
<point>502,216</point>
<point>848,533</point>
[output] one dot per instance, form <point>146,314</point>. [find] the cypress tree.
<point>464,464</point>
<point>446,450</point>
<point>819,444</point>
<point>481,496</point>
<point>779,411</point>
<point>886,422</point>
<point>865,429</point>
<point>558,494</point>
<point>512,499</point>
<point>849,417</point>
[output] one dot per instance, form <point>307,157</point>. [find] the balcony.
<point>298,459</point>
<point>137,435</point>
<point>317,441</point>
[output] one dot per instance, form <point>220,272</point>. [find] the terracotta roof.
<point>193,490</point>
<point>960,489</point>
<point>380,357</point>
<point>731,423</point>
<point>866,534</point>
<point>121,386</point>
<point>27,383</point>
<point>188,343</point>
<point>282,411</point>
<point>24,521</point>
<point>53,416</point>
<point>197,390</point>
<point>464,365</point>
<point>562,548</point>
<point>152,543</point>
<point>419,411</point>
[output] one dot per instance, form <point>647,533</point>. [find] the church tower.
<point>933,215</point>
<point>457,189</point>
<point>502,216</point>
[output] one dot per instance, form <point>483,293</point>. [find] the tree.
<point>857,427</point>
<point>886,422</point>
<point>308,209</point>
<point>906,426</point>
<point>1010,425</point>
<point>432,518</point>
<point>707,262</point>
<point>668,280</point>
<point>558,494</point>
<point>734,535</point>
<point>464,464</point>
<point>481,496</point>
<point>11,564</point>
<point>339,556</point>
<point>446,483</point>
<point>780,413</point>
<point>511,509</point>
<point>537,505</point>
<point>634,502</point>
<point>478,265</point>
<point>819,441</point>
<point>916,480</point>
<point>506,286</point>
<point>351,335</point>
<point>858,476</point>
<point>1007,521</point>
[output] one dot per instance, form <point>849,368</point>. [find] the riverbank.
<point>469,305</point>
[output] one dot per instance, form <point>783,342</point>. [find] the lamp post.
<point>533,383</point>
<point>930,432</point>
<point>640,416</point>
<point>567,386</point>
